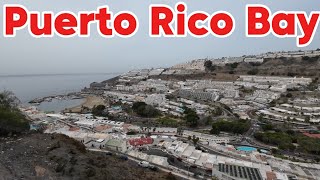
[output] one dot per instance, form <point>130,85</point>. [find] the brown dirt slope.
<point>306,67</point>
<point>43,156</point>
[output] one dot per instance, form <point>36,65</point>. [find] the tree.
<point>234,65</point>
<point>144,110</point>
<point>307,119</point>
<point>8,100</point>
<point>215,178</point>
<point>215,130</point>
<point>267,127</point>
<point>195,140</point>
<point>288,119</point>
<point>99,110</point>
<point>236,127</point>
<point>217,111</point>
<point>289,95</point>
<point>253,72</point>
<point>208,120</point>
<point>179,131</point>
<point>209,66</point>
<point>260,118</point>
<point>191,117</point>
<point>170,96</point>
<point>136,105</point>
<point>274,151</point>
<point>310,59</point>
<point>11,119</point>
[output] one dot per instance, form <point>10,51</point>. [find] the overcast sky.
<point>27,55</point>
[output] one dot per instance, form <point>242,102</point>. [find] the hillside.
<point>280,67</point>
<point>30,155</point>
<point>293,66</point>
<point>44,156</point>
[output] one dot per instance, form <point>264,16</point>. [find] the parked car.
<point>109,153</point>
<point>123,157</point>
<point>144,164</point>
<point>193,166</point>
<point>153,168</point>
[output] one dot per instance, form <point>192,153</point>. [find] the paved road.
<point>174,170</point>
<point>173,161</point>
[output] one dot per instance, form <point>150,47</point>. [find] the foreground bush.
<point>12,121</point>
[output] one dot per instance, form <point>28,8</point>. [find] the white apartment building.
<point>193,65</point>
<point>206,137</point>
<point>155,99</point>
<point>253,60</point>
<point>276,80</point>
<point>160,130</point>
<point>279,88</point>
<point>156,72</point>
<point>205,96</point>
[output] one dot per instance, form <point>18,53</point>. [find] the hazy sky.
<point>27,55</point>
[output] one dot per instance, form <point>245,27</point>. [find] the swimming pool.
<point>246,148</point>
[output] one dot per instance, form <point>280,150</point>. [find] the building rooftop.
<point>102,127</point>
<point>242,172</point>
<point>140,141</point>
<point>312,135</point>
<point>114,142</point>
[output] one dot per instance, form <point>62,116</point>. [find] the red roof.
<point>140,141</point>
<point>312,135</point>
<point>102,128</point>
<point>74,129</point>
<point>271,175</point>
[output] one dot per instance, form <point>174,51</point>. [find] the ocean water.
<point>28,87</point>
<point>59,105</point>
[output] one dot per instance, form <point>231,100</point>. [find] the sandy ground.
<point>89,102</point>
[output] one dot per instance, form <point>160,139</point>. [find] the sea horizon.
<point>30,86</point>
<point>58,74</point>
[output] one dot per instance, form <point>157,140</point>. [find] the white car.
<point>144,164</point>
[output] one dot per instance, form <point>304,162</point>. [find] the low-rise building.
<point>205,96</point>
<point>117,145</point>
<point>253,60</point>
<point>206,138</point>
<point>140,141</point>
<point>161,130</point>
<point>156,72</point>
<point>230,171</point>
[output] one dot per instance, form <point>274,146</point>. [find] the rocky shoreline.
<point>73,95</point>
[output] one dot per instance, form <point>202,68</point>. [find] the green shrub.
<point>11,119</point>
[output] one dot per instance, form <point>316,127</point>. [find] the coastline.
<point>89,102</point>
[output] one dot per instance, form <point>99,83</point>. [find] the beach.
<point>90,102</point>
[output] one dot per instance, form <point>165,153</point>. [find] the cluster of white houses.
<point>199,64</point>
<point>277,80</point>
<point>154,92</point>
<point>263,166</point>
<point>150,85</point>
<point>99,133</point>
<point>293,112</point>
<point>198,95</point>
<point>205,138</point>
